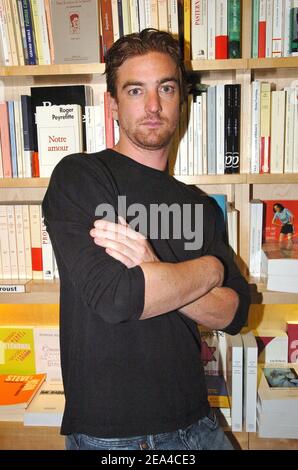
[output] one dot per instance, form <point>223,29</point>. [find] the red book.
<point>292,330</point>
<point>109,122</point>
<point>5,140</point>
<point>262,39</point>
<point>106,25</point>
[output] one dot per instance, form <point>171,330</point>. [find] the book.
<point>16,392</point>
<point>218,396</point>
<point>292,331</point>
<point>75,26</point>
<point>250,373</point>
<point>280,265</point>
<point>47,352</point>
<point>59,133</point>
<point>280,220</point>
<point>60,95</point>
<point>47,407</point>
<point>235,379</point>
<point>17,354</point>
<point>272,346</point>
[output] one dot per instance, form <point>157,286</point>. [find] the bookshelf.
<point>42,297</point>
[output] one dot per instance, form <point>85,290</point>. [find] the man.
<point>131,301</point>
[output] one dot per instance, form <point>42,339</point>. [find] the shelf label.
<point>12,288</point>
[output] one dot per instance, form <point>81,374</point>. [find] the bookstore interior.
<point>237,140</point>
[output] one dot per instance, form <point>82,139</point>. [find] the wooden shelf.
<point>260,294</point>
<point>24,182</point>
<point>273,63</point>
<point>226,64</point>
<point>37,292</point>
<point>212,179</point>
<point>55,69</point>
<point>283,178</point>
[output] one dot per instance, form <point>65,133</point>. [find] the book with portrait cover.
<point>75,26</point>
<point>280,220</point>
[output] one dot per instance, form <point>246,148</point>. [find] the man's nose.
<point>153,104</point>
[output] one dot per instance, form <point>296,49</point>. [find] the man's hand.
<point>123,243</point>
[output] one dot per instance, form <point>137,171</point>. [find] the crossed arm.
<point>194,287</point>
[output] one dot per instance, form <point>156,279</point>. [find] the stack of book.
<point>46,409</point>
<point>279,263</point>
<point>277,408</point>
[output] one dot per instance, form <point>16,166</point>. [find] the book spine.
<point>173,12</point>
<point>47,7</point>
<point>262,29</point>
<point>23,31</point>
<point>12,241</point>
<point>221,38</point>
<point>142,16</point>
<point>269,27</point>
<point>294,31</point>
<point>287,28</point>
<point>47,253</point>
<point>5,141</point>
<point>211,130</point>
<point>154,14</point>
<point>237,388</point>
<point>126,17</point>
<point>11,33</point>
<point>12,138</point>
<point>4,36</point>
<point>18,32</point>
<point>236,128</point>
<point>190,132</point>
<point>255,127</point>
<point>115,18</point>
<point>29,32</point>
<point>234,28</point>
<point>36,249</point>
<point>292,330</point>
<point>148,19</point>
<point>27,241</point>
<point>265,113</point>
<point>183,147</point>
<point>277,42</point>
<point>27,121</point>
<point>255,29</point>
<point>187,33</point>
<point>289,129</point>
<point>228,128</point>
<point>199,31</point>
<point>220,129</point>
<point>278,132</point>
<point>211,28</point>
<point>19,137</point>
<point>107,25</point>
<point>20,241</point>
<point>250,388</point>
<point>162,9</point>
<point>4,243</point>
<point>109,124</point>
<point>134,16</point>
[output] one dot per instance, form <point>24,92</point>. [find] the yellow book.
<point>17,354</point>
<point>187,19</point>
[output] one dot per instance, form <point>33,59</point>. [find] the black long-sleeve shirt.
<point>122,376</point>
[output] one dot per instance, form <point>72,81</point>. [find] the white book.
<point>12,241</point>
<point>283,283</point>
<point>11,33</point>
<point>116,32</point>
<point>204,133</point>
<point>162,6</point>
<point>142,14</point>
<point>40,29</point>
<point>211,28</point>
<point>269,27</point>
<point>20,241</point>
<point>59,131</point>
<point>277,41</point>
<point>250,350</point>
<point>199,30</point>
<point>255,242</point>
<point>56,271</point>
<point>190,135</point>
<point>1,163</point>
<point>95,128</point>
<point>295,152</point>
<point>126,17</point>
<point>235,379</point>
<point>173,18</point>
<point>27,240</point>
<point>47,352</point>
<point>134,16</point>
<point>183,146</point>
<point>289,129</point>
<point>232,216</point>
<point>4,38</point>
<point>176,154</point>
<point>278,100</point>
<point>35,231</point>
<point>220,129</point>
<point>154,14</point>
<point>47,407</point>
<point>199,140</point>
<point>4,243</point>
<point>148,20</point>
<point>17,31</point>
<point>255,126</point>
<point>47,253</point>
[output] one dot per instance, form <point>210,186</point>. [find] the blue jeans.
<point>205,434</point>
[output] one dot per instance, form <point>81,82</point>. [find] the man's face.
<point>147,104</point>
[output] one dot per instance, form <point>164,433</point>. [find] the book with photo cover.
<point>280,220</point>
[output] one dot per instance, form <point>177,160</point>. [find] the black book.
<point>60,95</point>
<point>236,129</point>
<point>228,128</point>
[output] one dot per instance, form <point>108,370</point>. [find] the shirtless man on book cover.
<point>141,264</point>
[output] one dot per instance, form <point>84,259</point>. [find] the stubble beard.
<point>152,139</point>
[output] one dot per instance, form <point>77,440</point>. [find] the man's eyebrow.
<point>159,82</point>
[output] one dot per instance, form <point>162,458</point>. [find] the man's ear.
<point>114,107</point>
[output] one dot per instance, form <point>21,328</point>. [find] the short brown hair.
<point>135,44</point>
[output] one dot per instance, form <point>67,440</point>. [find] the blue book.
<point>12,137</point>
<point>28,23</point>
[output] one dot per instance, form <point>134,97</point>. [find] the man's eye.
<point>167,89</point>
<point>134,92</point>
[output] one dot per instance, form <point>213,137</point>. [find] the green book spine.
<point>294,31</point>
<point>255,29</point>
<point>234,28</point>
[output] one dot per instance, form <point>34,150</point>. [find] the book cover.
<point>59,131</point>
<point>75,26</point>
<point>60,95</point>
<point>272,346</point>
<point>47,352</point>
<point>17,354</point>
<point>16,391</point>
<point>218,396</point>
<point>280,220</point>
<point>292,330</point>
<point>47,407</point>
